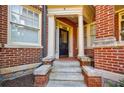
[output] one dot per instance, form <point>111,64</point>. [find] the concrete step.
<point>53,83</point>
<point>65,63</point>
<point>66,76</point>
<point>67,69</point>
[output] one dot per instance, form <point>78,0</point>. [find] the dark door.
<point>63,43</point>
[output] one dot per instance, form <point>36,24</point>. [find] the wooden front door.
<point>63,43</point>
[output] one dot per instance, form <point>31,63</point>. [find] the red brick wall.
<point>108,58</point>
<point>3,24</point>
<point>104,21</point>
<point>18,56</point>
<point>111,59</point>
<point>14,56</point>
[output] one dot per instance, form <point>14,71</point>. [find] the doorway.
<point>63,43</point>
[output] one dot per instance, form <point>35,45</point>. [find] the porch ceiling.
<point>118,7</point>
<point>89,13</point>
<point>73,19</point>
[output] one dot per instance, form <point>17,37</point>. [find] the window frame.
<point>91,34</point>
<point>119,21</point>
<point>24,44</point>
<point>89,42</point>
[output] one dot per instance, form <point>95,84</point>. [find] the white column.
<point>57,43</point>
<point>51,37</point>
<point>71,43</point>
<point>80,37</point>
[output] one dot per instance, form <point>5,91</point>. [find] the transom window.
<point>24,25</point>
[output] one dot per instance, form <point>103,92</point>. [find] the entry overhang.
<point>65,11</point>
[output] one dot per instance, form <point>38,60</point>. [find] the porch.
<point>68,32</point>
<point>69,35</point>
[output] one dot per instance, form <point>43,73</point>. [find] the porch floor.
<point>66,72</point>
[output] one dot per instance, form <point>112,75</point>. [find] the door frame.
<point>60,24</point>
<point>60,29</point>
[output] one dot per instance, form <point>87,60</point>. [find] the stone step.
<point>65,63</point>
<point>66,76</point>
<point>66,69</point>
<point>53,83</point>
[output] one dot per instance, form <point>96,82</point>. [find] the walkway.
<point>66,73</point>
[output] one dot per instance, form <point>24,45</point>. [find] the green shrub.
<point>118,84</point>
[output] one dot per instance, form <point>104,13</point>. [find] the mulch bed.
<point>24,81</point>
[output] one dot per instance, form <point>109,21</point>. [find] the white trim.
<point>18,68</point>
<point>42,70</point>
<point>8,26</point>
<point>88,26</point>
<point>40,32</point>
<point>22,44</point>
<point>71,43</point>
<point>114,44</point>
<point>110,75</point>
<point>119,43</point>
<point>105,42</point>
<point>65,11</point>
<point>119,19</point>
<point>70,46</point>
<point>103,73</point>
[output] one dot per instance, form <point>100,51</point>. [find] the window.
<point>24,26</point>
<point>122,26</point>
<point>92,33</point>
<point>89,35</point>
